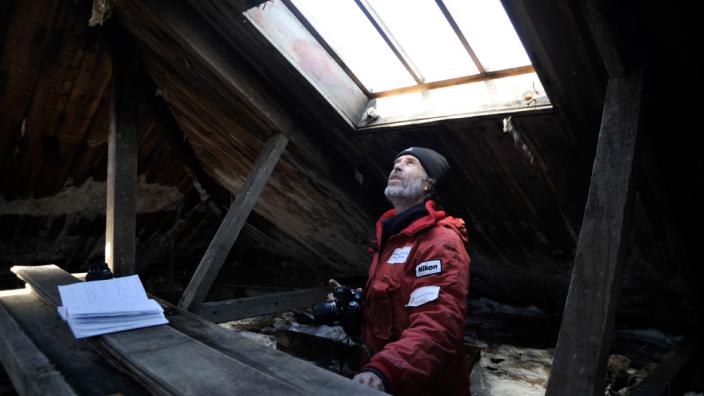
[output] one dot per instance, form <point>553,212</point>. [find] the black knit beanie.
<point>434,163</point>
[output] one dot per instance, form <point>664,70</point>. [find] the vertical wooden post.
<point>588,320</point>
<point>121,216</point>
<point>232,224</point>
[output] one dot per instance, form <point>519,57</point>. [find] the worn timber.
<point>588,319</point>
<point>29,369</point>
<point>84,369</point>
<point>223,361</point>
<point>121,215</point>
<point>232,224</point>
<point>222,311</point>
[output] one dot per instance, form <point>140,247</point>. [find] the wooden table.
<point>190,356</point>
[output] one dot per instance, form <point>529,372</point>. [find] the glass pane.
<point>343,25</point>
<point>489,32</point>
<point>426,37</point>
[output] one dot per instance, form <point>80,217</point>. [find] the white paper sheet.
<point>107,306</point>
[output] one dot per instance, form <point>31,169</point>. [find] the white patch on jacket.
<point>400,255</point>
<point>423,295</point>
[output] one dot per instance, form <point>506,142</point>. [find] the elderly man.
<point>415,306</point>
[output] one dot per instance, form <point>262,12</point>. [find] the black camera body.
<point>346,309</point>
<point>98,271</point>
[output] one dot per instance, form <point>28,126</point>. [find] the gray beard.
<point>405,192</point>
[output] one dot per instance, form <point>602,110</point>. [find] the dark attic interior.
<point>233,155</point>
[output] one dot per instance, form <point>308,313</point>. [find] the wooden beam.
<point>121,215</point>
<point>29,369</point>
<point>82,367</point>
<point>587,323</point>
<point>302,376</point>
<point>223,311</point>
<point>657,381</point>
<point>232,224</point>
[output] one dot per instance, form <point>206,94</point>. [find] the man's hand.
<point>370,379</point>
<point>335,284</point>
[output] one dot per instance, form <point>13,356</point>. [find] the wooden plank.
<point>28,368</point>
<point>587,323</point>
<point>222,311</point>
<point>121,215</point>
<point>297,373</point>
<point>657,381</point>
<point>164,360</point>
<point>232,224</point>
<point>82,367</point>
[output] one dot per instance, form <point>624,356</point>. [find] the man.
<point>415,306</point>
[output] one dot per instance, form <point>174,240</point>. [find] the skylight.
<point>379,62</point>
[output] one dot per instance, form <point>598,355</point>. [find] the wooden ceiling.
<point>213,91</point>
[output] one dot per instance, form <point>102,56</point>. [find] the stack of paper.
<point>108,306</point>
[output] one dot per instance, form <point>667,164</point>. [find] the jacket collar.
<point>433,216</point>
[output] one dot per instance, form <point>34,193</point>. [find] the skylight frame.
<point>522,91</point>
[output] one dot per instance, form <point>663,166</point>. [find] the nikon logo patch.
<point>428,268</point>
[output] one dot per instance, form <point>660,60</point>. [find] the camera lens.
<point>326,311</point>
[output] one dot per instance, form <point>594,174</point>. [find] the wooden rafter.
<point>232,224</point>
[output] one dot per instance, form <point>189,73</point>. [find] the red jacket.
<point>419,349</point>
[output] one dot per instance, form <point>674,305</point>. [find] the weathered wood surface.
<point>79,363</point>
<point>588,320</point>
<point>222,311</point>
<point>657,381</point>
<point>156,356</point>
<point>299,376</point>
<point>28,368</point>
<point>230,115</point>
<point>232,224</point>
<point>121,215</point>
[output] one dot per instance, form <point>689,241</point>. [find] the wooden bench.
<point>190,356</point>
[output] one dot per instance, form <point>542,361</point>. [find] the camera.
<point>98,271</point>
<point>346,309</point>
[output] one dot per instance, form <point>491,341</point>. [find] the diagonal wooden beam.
<point>588,320</point>
<point>232,224</point>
